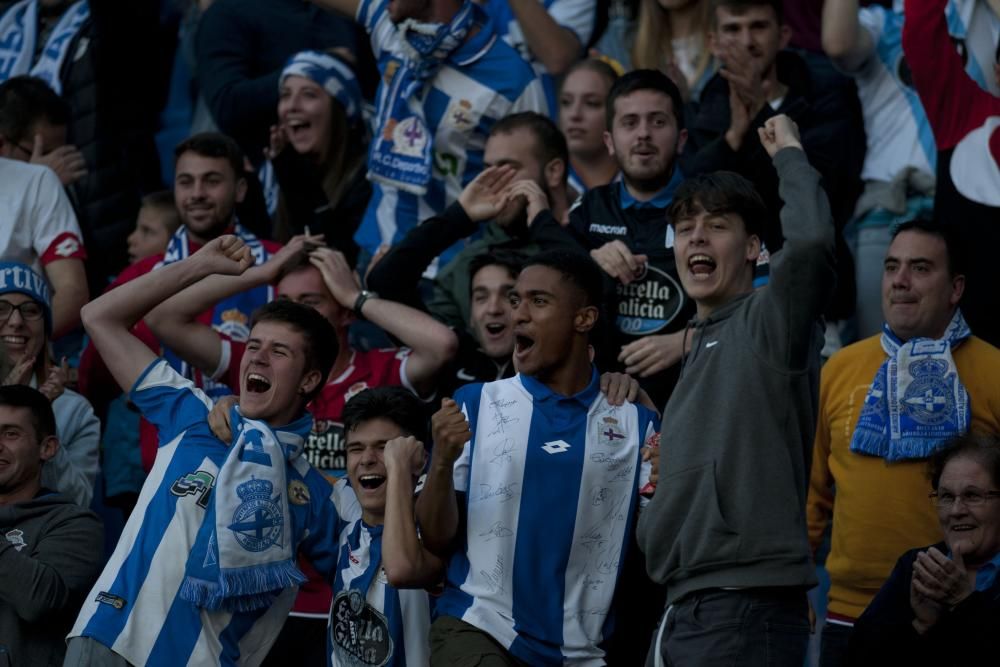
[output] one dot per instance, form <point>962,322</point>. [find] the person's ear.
<point>786,35</point>
<point>309,382</point>
<point>957,289</point>
<point>241,189</point>
<point>585,319</point>
<point>554,174</point>
<point>753,248</point>
<point>609,143</point>
<point>48,448</point>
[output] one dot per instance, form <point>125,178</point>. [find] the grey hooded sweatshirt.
<point>729,510</point>
<point>50,555</point>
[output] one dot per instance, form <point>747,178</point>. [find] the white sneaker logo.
<point>556,447</point>
<point>711,343</point>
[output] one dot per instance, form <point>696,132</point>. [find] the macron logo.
<point>555,447</point>
<point>614,230</point>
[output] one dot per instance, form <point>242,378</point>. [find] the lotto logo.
<point>67,247</point>
<point>556,447</point>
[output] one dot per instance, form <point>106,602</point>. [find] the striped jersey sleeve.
<point>169,401</point>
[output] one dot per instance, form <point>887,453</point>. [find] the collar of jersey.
<point>540,392</point>
<point>662,198</point>
<point>477,46</point>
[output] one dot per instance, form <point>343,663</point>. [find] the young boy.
<point>371,619</point>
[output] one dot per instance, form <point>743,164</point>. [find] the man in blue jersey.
<point>446,79</point>
<point>371,619</point>
<point>533,487</point>
<point>205,570</point>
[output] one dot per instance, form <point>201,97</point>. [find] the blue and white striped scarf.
<point>19,37</point>
<point>244,554</point>
<point>916,401</point>
<point>400,153</point>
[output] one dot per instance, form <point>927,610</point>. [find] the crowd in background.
<point>811,187</point>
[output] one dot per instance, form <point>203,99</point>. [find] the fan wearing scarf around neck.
<point>446,79</point>
<point>205,570</point>
<point>887,404</point>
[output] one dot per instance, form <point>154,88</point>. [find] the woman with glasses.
<point>941,604</point>
<point>25,329</point>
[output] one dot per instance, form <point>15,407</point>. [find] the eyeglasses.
<point>968,498</point>
<point>29,310</point>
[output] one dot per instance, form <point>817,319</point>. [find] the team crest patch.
<point>461,115</point>
<point>409,137</point>
<point>929,399</point>
<point>611,433</point>
<point>358,632</point>
<point>198,484</point>
<point>16,537</point>
<point>234,324</point>
<point>298,493</point>
<point>258,521</point>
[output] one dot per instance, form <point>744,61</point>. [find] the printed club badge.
<point>358,632</point>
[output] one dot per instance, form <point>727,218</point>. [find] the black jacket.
<point>966,635</point>
<point>828,114</point>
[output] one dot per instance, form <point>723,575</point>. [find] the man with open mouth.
<point>307,273</point>
<point>726,532</point>
<point>205,570</point>
<point>545,474</point>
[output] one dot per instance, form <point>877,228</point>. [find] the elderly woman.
<point>941,604</point>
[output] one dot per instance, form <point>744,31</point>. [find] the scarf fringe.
<point>231,594</point>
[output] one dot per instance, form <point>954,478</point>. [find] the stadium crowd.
<point>499,332</point>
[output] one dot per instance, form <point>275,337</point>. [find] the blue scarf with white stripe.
<point>916,401</point>
<point>244,554</point>
<point>400,155</point>
<point>19,40</point>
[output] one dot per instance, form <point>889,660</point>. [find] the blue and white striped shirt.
<point>371,622</point>
<point>551,485</point>
<point>134,608</point>
<point>480,83</point>
<point>577,16</point>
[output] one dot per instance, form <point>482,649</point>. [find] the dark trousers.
<point>455,643</point>
<point>833,645</point>
<point>737,628</point>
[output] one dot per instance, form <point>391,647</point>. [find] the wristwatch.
<point>360,302</point>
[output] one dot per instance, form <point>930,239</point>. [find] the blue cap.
<point>22,279</point>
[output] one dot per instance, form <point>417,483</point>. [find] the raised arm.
<point>406,562</point>
<point>175,321</point>
<point>69,293</point>
<point>437,506</point>
<point>803,272</point>
<point>556,46</point>
<point>847,43</point>
<point>432,344</point>
<point>108,319</point>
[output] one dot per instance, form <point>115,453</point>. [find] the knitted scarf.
<point>916,400</point>
<point>244,554</point>
<point>400,153</point>
<point>19,38</point>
